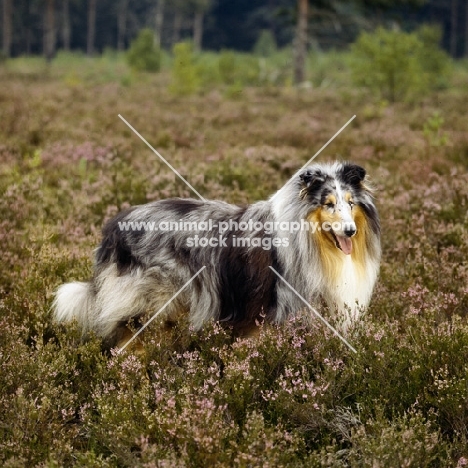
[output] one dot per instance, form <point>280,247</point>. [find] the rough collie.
<point>320,232</point>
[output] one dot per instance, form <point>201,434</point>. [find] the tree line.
<point>44,26</point>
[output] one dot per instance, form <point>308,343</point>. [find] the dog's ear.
<point>311,179</point>
<point>353,174</point>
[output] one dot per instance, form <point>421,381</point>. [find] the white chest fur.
<point>350,290</point>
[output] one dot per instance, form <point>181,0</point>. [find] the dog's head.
<point>338,202</point>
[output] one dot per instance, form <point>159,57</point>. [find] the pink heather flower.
<point>378,336</point>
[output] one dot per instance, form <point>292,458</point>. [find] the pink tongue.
<point>345,244</point>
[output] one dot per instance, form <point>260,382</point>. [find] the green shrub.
<point>143,54</point>
<point>239,69</point>
<point>208,70</point>
<point>185,79</point>
<point>266,44</point>
<point>432,130</point>
<point>328,69</point>
<point>398,65</point>
<point>434,60</point>
<point>227,66</point>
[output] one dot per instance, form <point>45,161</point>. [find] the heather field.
<point>294,397</point>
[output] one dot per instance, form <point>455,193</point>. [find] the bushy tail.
<point>74,301</point>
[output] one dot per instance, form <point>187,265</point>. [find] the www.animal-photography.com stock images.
<point>234,233</point>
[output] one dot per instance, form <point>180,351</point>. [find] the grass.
<point>294,397</point>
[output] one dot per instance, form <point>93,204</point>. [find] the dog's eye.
<point>351,203</point>
<point>330,205</point>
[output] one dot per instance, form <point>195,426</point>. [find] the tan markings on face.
<point>330,199</point>
<point>331,217</point>
<point>319,217</point>
<point>360,239</point>
<point>348,197</point>
<point>330,256</point>
<point>360,220</point>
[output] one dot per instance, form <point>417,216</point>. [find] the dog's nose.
<point>350,232</point>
